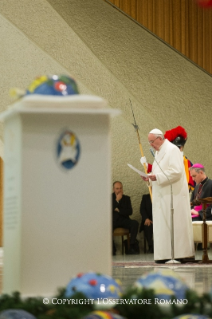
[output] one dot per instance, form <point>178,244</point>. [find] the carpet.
<point>148,264</point>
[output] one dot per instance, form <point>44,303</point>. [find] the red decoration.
<point>60,86</point>
<point>175,132</point>
<point>93,282</point>
<point>204,3</point>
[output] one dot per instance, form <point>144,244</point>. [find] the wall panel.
<point>181,23</point>
<point>1,202</point>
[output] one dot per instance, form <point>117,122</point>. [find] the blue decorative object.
<point>61,85</point>
<point>94,286</point>
<point>210,294</point>
<point>16,314</point>
<point>165,284</point>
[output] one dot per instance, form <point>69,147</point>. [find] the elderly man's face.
<point>155,141</point>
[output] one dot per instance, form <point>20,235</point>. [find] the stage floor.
<point>128,268</point>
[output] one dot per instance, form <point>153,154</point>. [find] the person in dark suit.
<point>122,209</point>
<point>202,189</point>
<point>146,223</point>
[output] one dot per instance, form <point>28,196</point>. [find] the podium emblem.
<point>68,149</point>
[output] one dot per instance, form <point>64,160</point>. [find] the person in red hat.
<point>178,136</point>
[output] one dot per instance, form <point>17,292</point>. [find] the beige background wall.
<point>111,56</point>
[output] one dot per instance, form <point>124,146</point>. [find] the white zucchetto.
<point>156,131</point>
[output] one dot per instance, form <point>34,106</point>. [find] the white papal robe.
<point>170,160</point>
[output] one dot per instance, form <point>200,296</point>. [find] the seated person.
<point>202,189</point>
<point>146,223</point>
<point>122,209</point>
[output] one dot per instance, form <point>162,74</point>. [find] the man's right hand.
<point>119,196</point>
<point>194,212</point>
<point>148,222</point>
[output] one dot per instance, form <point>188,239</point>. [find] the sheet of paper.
<point>137,171</point>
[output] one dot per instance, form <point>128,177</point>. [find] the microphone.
<point>152,152</point>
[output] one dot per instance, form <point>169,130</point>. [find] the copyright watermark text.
<point>108,301</point>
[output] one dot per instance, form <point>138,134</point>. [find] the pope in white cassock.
<point>171,171</point>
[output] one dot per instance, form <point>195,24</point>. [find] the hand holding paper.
<point>137,171</point>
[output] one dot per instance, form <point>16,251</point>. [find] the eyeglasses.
<point>151,142</point>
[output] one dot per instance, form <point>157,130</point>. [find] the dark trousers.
<point>148,234</point>
<point>196,219</point>
<point>130,224</point>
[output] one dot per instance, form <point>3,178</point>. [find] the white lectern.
<point>57,192</point>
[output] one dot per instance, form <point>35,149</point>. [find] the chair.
<point>122,232</point>
<point>205,228</point>
<point>209,226</point>
<point>197,232</point>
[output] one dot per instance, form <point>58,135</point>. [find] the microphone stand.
<point>172,260</point>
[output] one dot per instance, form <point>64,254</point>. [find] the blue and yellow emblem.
<point>68,149</point>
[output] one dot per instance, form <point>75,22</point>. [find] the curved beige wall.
<point>115,58</point>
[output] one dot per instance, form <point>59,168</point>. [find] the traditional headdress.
<point>177,136</point>
<point>197,165</point>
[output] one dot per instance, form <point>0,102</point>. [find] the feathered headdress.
<point>177,136</point>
